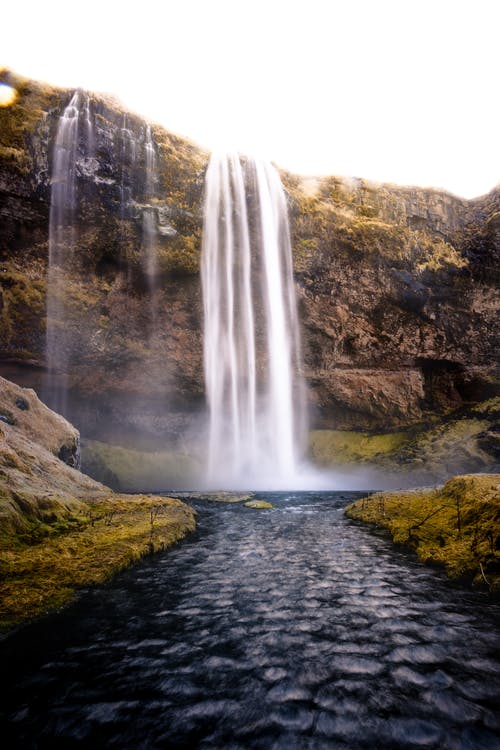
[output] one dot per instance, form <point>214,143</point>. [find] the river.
<point>286,628</point>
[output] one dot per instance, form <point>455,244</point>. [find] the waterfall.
<point>251,335</point>
<point>128,156</point>
<point>74,141</point>
<point>149,217</point>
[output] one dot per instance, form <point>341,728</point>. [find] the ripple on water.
<point>473,738</point>
<point>112,711</point>
<point>415,733</point>
<point>428,654</point>
<point>452,705</point>
<point>274,674</point>
<point>406,676</point>
<point>290,716</point>
<point>357,665</point>
<point>479,689</point>
<point>287,690</point>
<point>349,728</point>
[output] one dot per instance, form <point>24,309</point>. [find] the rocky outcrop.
<point>23,412</point>
<point>397,286</point>
<point>38,455</point>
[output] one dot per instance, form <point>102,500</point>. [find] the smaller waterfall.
<point>74,140</point>
<point>128,158</point>
<point>251,339</point>
<point>149,217</point>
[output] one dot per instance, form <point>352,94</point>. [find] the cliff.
<point>397,286</point>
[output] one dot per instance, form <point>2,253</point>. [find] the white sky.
<point>392,90</point>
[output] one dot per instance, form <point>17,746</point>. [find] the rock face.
<point>39,451</point>
<point>398,298</point>
<point>397,286</point>
<point>23,412</point>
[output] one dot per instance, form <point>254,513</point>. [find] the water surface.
<point>288,628</point>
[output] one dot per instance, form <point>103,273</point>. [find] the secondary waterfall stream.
<point>149,230</point>
<point>286,629</point>
<point>251,335</point>
<point>74,142</point>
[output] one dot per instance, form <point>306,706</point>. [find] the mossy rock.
<point>137,471</point>
<point>330,447</point>
<point>227,497</point>
<point>258,504</point>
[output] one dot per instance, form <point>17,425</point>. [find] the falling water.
<point>74,139</point>
<point>251,339</point>
<point>149,218</point>
<point>128,156</point>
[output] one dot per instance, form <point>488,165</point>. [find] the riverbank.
<point>59,529</point>
<point>105,536</point>
<point>456,526</point>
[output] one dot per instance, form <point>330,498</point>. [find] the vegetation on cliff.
<point>456,526</point>
<point>465,441</point>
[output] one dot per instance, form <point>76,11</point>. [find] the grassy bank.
<point>456,526</point>
<point>44,565</point>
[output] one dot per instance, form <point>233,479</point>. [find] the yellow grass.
<point>112,533</point>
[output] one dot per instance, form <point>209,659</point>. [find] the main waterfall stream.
<point>288,628</point>
<point>251,332</point>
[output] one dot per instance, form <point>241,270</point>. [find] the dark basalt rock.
<point>391,282</point>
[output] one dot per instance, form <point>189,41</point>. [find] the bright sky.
<point>405,91</point>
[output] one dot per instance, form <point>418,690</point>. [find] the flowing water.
<point>287,628</point>
<point>149,218</point>
<point>251,339</point>
<point>74,142</point>
<point>128,162</point>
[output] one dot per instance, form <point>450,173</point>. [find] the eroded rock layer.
<point>397,286</point>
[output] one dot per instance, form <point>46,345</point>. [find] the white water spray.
<point>74,139</point>
<point>251,336</point>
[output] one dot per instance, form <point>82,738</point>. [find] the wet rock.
<point>258,504</point>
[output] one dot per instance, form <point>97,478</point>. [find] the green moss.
<point>258,504</point>
<point>132,470</point>
<point>38,574</point>
<point>437,255</point>
<point>330,447</point>
<point>456,526</point>
<point>226,497</point>
<point>427,453</point>
<point>20,121</point>
<point>23,309</point>
<point>181,256</point>
<point>489,408</point>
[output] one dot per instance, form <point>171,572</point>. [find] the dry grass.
<point>106,536</point>
<point>456,526</point>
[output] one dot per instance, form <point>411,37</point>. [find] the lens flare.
<point>8,95</point>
